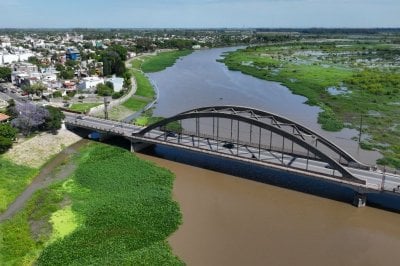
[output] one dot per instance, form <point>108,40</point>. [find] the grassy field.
<point>13,180</point>
<point>82,107</point>
<point>162,60</point>
<point>365,74</point>
<point>144,87</point>
<point>115,209</point>
<point>135,104</point>
<point>118,112</point>
<point>25,235</point>
<point>147,118</point>
<point>137,63</point>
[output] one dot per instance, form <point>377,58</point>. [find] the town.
<point>117,145</point>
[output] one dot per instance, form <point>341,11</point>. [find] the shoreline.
<point>332,117</point>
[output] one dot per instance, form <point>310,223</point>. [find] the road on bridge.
<point>375,180</point>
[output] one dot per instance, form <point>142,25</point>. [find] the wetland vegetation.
<point>351,80</point>
<point>115,207</point>
<point>163,60</point>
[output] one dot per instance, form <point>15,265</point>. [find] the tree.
<point>38,88</point>
<point>7,131</point>
<point>67,73</point>
<point>30,117</point>
<point>5,144</point>
<point>7,135</point>
<point>34,60</point>
<point>104,90</point>
<point>5,74</point>
<point>120,50</point>
<point>54,119</point>
<point>109,84</point>
<point>112,63</point>
<point>10,110</point>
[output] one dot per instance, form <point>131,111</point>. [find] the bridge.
<point>252,136</point>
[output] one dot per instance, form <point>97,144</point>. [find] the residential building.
<point>118,83</point>
<point>73,54</point>
<point>90,83</point>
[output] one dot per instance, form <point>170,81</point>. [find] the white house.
<point>117,82</point>
<point>24,56</point>
<point>90,82</point>
<point>10,58</point>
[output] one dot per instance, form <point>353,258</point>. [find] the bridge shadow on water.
<point>261,174</point>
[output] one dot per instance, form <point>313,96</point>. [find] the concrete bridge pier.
<point>360,199</point>
<point>138,146</point>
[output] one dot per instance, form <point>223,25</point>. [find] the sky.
<point>199,14</point>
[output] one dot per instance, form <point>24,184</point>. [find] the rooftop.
<point>3,117</point>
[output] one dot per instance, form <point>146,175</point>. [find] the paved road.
<point>375,180</point>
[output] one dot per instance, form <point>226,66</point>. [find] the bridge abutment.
<point>360,200</point>
<point>138,146</point>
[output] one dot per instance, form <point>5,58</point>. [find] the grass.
<point>136,63</point>
<point>119,112</point>
<point>25,235</point>
<point>82,107</point>
<point>13,180</point>
<point>372,87</point>
<point>162,60</point>
<point>135,104</point>
<point>115,209</point>
<point>144,87</point>
<point>127,211</point>
<point>146,120</point>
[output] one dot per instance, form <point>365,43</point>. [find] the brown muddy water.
<point>198,80</point>
<point>228,220</point>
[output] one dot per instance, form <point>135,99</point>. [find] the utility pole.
<point>360,133</point>
<point>106,102</point>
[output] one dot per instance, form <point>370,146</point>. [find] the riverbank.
<point>21,164</point>
<point>333,77</point>
<point>124,222</point>
<point>146,95</point>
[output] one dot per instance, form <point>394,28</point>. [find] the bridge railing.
<point>162,138</point>
<point>252,144</point>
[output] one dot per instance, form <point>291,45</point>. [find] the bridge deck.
<point>375,180</point>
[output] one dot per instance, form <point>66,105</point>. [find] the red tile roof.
<point>3,117</point>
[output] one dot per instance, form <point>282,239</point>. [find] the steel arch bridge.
<point>262,131</point>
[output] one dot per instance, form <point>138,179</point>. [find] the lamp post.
<point>106,103</point>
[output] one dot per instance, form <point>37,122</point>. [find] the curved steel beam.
<point>189,115</point>
<point>345,155</point>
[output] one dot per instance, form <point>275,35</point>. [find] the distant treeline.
<point>331,30</point>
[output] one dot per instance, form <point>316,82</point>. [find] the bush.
<point>117,95</point>
<point>5,144</point>
<point>104,90</point>
<point>57,94</point>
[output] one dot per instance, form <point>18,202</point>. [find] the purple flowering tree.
<point>30,117</point>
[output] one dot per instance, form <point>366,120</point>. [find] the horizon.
<point>190,14</point>
<point>200,28</point>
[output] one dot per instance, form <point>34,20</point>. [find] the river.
<point>262,219</point>
<point>198,80</point>
<point>228,220</point>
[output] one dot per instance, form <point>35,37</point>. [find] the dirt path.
<point>49,173</point>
